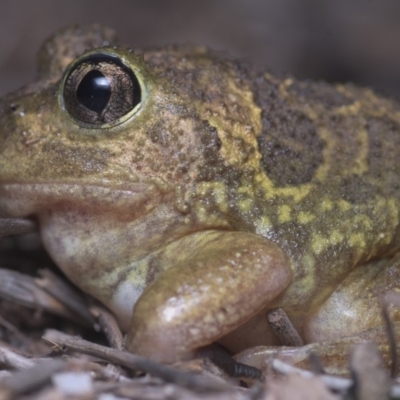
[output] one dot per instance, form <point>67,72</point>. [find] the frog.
<point>191,193</point>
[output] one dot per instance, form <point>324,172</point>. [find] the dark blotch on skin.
<point>355,189</point>
<point>288,235</point>
<point>214,165</point>
<point>291,149</point>
<point>158,134</point>
<point>320,93</point>
<point>384,153</point>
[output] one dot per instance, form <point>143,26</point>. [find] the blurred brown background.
<point>336,40</point>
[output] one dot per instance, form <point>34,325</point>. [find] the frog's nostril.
<point>14,107</point>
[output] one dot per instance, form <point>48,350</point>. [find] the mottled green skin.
<point>252,190</point>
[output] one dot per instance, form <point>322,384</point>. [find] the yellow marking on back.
<point>284,214</point>
<point>309,280</point>
<point>232,132</point>
<point>392,206</point>
<point>357,241</point>
<point>351,109</point>
<point>326,205</point>
<point>320,243</point>
<point>218,192</point>
<point>361,161</point>
<point>246,205</point>
<point>343,205</point>
<point>364,221</point>
<point>297,193</point>
<point>308,261</point>
<point>220,195</point>
<point>305,217</point>
<point>202,214</point>
<point>284,86</point>
<point>329,149</point>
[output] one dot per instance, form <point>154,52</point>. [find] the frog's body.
<point>224,193</point>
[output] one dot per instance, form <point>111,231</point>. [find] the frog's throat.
<point>94,233</point>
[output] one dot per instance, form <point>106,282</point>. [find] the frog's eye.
<point>100,89</point>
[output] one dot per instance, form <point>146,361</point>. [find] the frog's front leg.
<point>215,282</point>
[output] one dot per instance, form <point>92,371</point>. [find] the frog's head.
<point>109,118</point>
<point>109,145</point>
<point>103,120</point>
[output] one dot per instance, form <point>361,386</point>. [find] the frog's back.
<point>313,166</point>
<point>329,182</point>
<point>313,131</point>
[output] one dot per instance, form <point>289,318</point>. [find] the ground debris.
<point>64,366</point>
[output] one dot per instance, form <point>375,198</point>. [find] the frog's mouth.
<point>22,203</point>
<point>24,199</point>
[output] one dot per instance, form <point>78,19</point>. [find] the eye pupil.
<point>94,91</point>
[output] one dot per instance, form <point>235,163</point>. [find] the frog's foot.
<point>351,315</point>
<point>356,305</point>
<point>332,355</point>
<point>216,282</point>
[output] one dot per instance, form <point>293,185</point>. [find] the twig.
<point>283,328</point>
<point>158,391</point>
<point>332,382</point>
<point>109,326</point>
<point>31,378</point>
<point>22,289</point>
<point>219,356</point>
<point>15,226</point>
<point>102,372</point>
<point>133,362</point>
<point>15,331</point>
<point>66,294</point>
<point>391,298</point>
<point>11,359</point>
